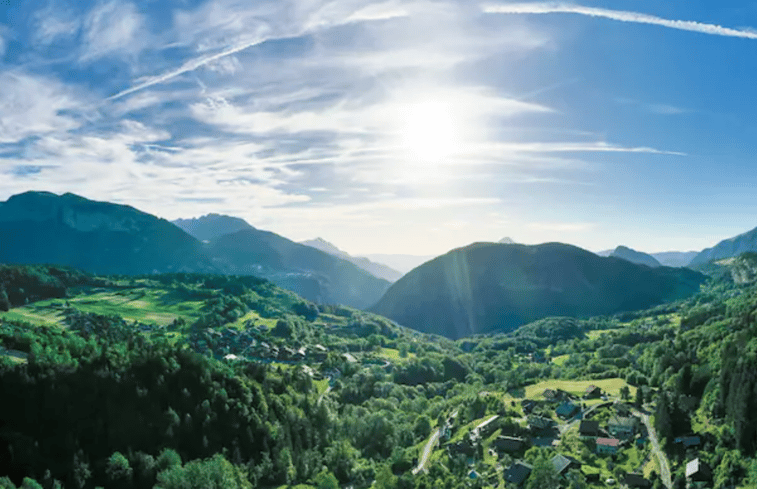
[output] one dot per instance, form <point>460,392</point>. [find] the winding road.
<point>662,459</point>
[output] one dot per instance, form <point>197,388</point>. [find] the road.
<point>427,451</point>
<point>662,459</point>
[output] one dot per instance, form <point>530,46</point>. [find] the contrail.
<point>619,15</point>
<point>190,65</point>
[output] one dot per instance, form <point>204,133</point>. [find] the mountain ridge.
<point>489,287</point>
<point>376,269</point>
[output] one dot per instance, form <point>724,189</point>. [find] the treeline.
<point>21,284</point>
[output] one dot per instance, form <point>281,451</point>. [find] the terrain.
<point>376,269</point>
<point>171,380</point>
<point>728,248</point>
<point>634,256</point>
<point>488,287</point>
<point>106,238</point>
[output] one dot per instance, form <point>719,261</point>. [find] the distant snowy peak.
<point>506,240</point>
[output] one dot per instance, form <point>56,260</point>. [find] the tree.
<point>385,479</point>
<point>543,475</point>
<point>625,393</point>
<point>118,470</point>
<point>639,397</point>
<point>326,480</point>
<point>213,473</point>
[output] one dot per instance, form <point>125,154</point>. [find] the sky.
<point>393,127</point>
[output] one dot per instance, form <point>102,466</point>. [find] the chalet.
<point>528,405</point>
<point>698,473</point>
<point>564,463</point>
<point>539,423</point>
<point>508,443</point>
<point>518,473</point>
<point>553,394</point>
<point>592,392</point>
<point>607,446</point>
<point>567,410</point>
<point>688,441</point>
<point>349,358</point>
<point>588,429</point>
<point>636,480</point>
<point>231,357</point>
<point>622,427</point>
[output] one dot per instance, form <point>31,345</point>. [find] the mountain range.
<point>638,257</point>
<point>106,238</point>
<point>728,248</point>
<point>490,287</point>
<point>376,269</point>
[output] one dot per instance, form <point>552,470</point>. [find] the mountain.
<point>675,258</point>
<point>634,256</point>
<point>376,269</point>
<point>403,263</point>
<point>506,240</point>
<point>211,226</point>
<point>604,253</point>
<point>728,248</point>
<point>100,237</point>
<point>489,287</point>
<point>311,273</point>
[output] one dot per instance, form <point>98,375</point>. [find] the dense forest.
<point>184,380</point>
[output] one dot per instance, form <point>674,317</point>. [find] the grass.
<point>393,355</point>
<point>560,360</point>
<point>593,335</point>
<point>578,387</point>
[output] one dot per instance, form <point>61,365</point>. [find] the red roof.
<point>610,442</point>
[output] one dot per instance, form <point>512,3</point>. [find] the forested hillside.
<point>179,380</point>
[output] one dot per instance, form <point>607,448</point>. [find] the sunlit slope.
<point>489,287</point>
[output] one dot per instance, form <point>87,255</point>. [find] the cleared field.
<point>593,335</point>
<point>578,387</point>
<point>560,359</point>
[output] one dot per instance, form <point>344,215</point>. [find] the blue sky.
<point>395,127</point>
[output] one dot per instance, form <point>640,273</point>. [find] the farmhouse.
<point>607,446</point>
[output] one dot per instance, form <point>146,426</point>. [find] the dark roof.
<point>688,441</point>
<point>518,472</point>
<point>540,422</point>
<point>563,463</point>
<point>589,427</point>
<point>625,422</point>
<point>635,480</point>
<point>566,409</point>
<point>508,443</point>
<point>591,389</point>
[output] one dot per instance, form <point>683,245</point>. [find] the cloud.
<point>619,15</point>
<point>34,105</point>
<point>562,227</point>
<point>52,25</point>
<point>112,28</point>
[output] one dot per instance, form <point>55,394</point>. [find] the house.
<point>540,423</point>
<point>622,427</point>
<point>688,441</point>
<point>588,429</point>
<point>567,410</point>
<point>592,392</point>
<point>553,394</point>
<point>607,446</point>
<point>698,473</point>
<point>518,472</point>
<point>528,405</point>
<point>636,480</point>
<point>508,443</point>
<point>564,463</point>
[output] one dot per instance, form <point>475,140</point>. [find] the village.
<point>604,438</point>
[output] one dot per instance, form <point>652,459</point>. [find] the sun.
<point>429,131</point>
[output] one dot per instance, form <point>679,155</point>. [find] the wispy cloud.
<point>31,105</point>
<point>112,28</point>
<point>619,15</point>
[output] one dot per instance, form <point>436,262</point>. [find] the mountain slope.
<point>376,269</point>
<point>634,256</point>
<point>311,273</point>
<point>728,248</point>
<point>488,287</point>
<point>211,226</point>
<point>100,237</point>
<point>403,263</point>
<point>675,258</point>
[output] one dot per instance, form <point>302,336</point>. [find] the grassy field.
<point>578,387</point>
<point>593,335</point>
<point>150,306</point>
<point>560,360</point>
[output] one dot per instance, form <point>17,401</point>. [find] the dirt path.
<point>662,459</point>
